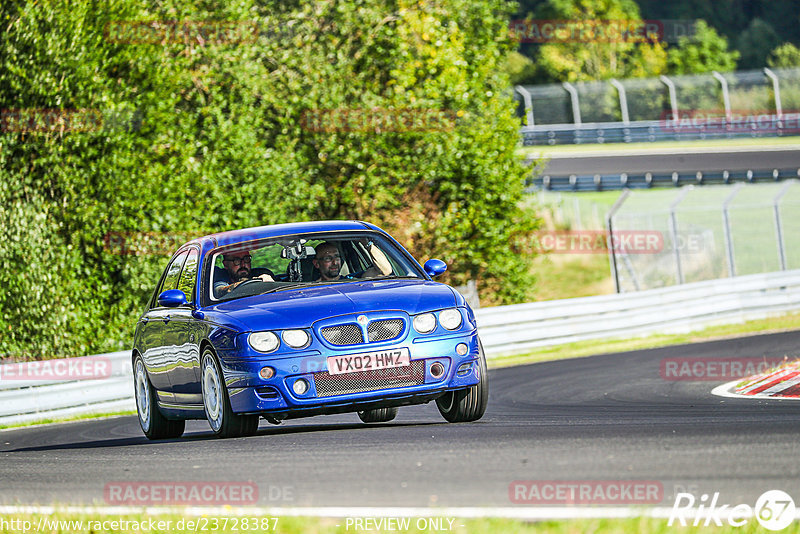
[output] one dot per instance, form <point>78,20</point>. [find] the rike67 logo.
<point>774,510</point>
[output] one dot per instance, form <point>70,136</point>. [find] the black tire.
<point>378,415</point>
<point>153,423</point>
<point>465,405</point>
<point>217,404</point>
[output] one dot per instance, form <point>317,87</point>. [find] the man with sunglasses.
<point>238,268</point>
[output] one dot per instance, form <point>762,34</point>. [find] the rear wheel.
<point>468,404</point>
<point>378,415</point>
<point>153,423</point>
<point>217,405</point>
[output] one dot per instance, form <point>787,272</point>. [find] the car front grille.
<point>343,334</point>
<point>329,385</point>
<point>384,329</point>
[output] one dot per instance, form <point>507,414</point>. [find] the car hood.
<point>299,308</point>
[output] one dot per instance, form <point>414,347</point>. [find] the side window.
<point>188,277</point>
<point>173,271</point>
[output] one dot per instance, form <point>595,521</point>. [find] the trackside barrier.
<point>680,308</point>
<point>503,330</point>
<point>23,401</point>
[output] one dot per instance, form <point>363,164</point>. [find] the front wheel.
<point>469,404</point>
<point>217,405</point>
<point>378,415</point>
<point>153,423</point>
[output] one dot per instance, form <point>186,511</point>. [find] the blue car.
<point>303,319</point>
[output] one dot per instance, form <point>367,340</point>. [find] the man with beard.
<point>328,261</point>
<point>237,268</point>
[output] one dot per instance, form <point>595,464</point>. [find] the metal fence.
<point>759,103</point>
<point>704,233</point>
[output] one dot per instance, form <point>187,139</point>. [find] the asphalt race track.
<point>610,417</point>
<point>660,163</point>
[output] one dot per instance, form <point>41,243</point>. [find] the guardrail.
<point>651,131</point>
<point>648,180</point>
<point>503,329</point>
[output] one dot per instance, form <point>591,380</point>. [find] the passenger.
<point>328,261</point>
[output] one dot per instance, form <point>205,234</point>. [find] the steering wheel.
<point>245,284</point>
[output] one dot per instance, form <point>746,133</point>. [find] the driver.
<point>237,269</point>
<point>328,261</point>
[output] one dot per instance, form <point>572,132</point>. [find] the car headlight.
<point>450,318</point>
<point>425,323</point>
<point>263,341</point>
<point>297,339</point>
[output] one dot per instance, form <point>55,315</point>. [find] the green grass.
<point>561,276</point>
<point>82,417</point>
<point>782,323</point>
<point>313,525</point>
<point>624,147</point>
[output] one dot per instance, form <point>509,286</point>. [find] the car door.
<point>158,339</point>
<point>184,376</point>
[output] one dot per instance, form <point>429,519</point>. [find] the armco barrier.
<point>680,308</point>
<point>22,401</point>
<point>504,330</point>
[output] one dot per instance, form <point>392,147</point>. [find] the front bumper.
<point>251,394</point>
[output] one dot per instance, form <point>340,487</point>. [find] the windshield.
<point>295,261</point>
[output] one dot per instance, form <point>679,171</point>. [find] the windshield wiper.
<point>287,286</point>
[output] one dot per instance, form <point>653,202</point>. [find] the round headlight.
<point>450,319</point>
<point>296,339</point>
<point>263,341</point>
<point>425,323</point>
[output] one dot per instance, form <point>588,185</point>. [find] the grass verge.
<point>80,523</point>
<point>103,415</point>
<point>783,323</point>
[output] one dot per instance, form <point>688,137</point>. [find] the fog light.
<point>437,370</point>
<point>462,349</point>
<point>266,373</point>
<point>300,386</point>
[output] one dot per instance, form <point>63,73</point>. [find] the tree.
<point>785,56</point>
<point>704,51</point>
<point>755,44</point>
<point>602,51</point>
<point>389,111</point>
<point>520,69</point>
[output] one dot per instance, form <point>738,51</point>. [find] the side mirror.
<point>172,298</point>
<point>435,267</point>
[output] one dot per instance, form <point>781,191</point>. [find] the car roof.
<point>276,230</point>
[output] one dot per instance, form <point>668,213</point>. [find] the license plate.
<point>369,361</point>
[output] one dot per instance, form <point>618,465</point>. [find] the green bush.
<point>191,130</point>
